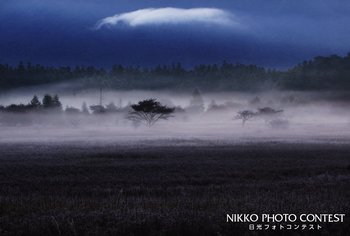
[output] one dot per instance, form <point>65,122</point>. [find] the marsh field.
<point>168,187</point>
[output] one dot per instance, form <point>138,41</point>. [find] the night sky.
<point>273,33</point>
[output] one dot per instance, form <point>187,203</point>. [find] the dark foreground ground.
<point>146,189</point>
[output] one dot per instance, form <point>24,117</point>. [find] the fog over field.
<point>306,116</point>
<point>168,118</point>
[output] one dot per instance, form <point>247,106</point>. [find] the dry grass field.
<point>168,187</point>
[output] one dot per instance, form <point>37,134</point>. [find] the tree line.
<point>147,111</point>
<point>330,72</point>
<point>49,103</point>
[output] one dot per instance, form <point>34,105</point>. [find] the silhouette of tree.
<point>50,102</point>
<point>47,101</point>
<point>149,111</point>
<point>35,103</point>
<point>56,102</point>
<point>245,116</point>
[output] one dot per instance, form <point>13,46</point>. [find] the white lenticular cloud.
<point>161,16</point>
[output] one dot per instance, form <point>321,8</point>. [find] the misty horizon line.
<point>183,65</point>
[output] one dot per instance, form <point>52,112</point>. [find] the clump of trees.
<point>52,102</point>
<point>330,72</point>
<point>267,113</point>
<point>149,111</point>
<point>48,103</point>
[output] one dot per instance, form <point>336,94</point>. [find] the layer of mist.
<point>304,117</point>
